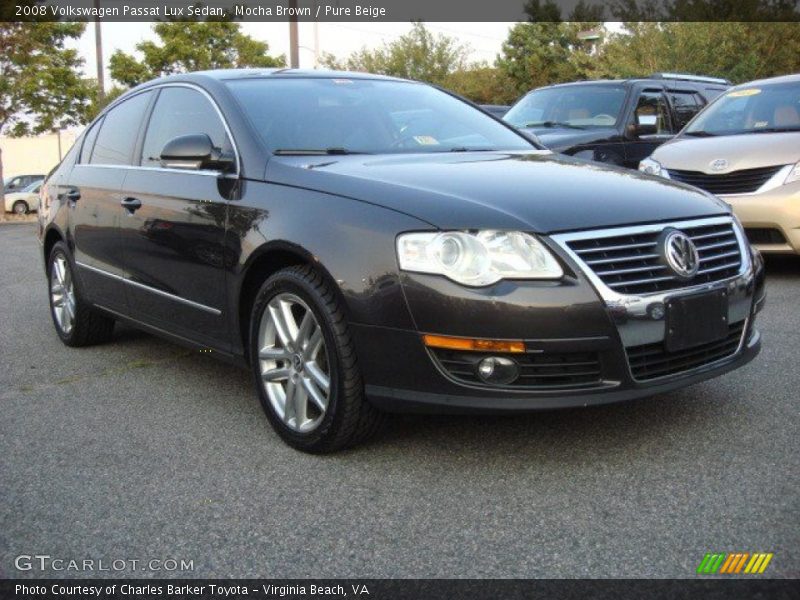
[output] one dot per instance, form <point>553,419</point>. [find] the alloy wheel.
<point>62,294</point>
<point>293,362</point>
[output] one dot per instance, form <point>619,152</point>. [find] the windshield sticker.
<point>760,124</point>
<point>743,93</point>
<point>426,140</point>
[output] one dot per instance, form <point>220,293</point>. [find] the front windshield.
<point>343,116</point>
<point>580,107</point>
<point>770,108</point>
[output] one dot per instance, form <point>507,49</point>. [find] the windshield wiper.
<point>774,130</point>
<point>700,134</point>
<point>466,149</point>
<point>314,152</point>
<point>553,124</point>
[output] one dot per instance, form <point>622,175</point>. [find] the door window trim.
<point>143,130</point>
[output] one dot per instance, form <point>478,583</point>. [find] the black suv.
<point>365,243</point>
<point>619,122</point>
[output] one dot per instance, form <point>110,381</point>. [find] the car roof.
<point>793,78</point>
<point>228,74</point>
<point>673,81</point>
<point>217,76</point>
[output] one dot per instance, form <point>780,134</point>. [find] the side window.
<point>651,116</point>
<point>181,111</point>
<point>120,127</point>
<point>685,105</point>
<point>88,142</point>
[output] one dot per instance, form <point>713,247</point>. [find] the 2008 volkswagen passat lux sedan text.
<point>367,244</point>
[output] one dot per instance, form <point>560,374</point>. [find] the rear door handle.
<point>132,204</point>
<point>73,195</point>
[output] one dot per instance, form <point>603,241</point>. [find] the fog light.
<point>498,370</point>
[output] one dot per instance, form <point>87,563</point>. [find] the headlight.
<point>477,259</point>
<point>652,167</point>
<point>794,175</point>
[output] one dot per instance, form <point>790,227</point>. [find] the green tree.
<point>419,55</point>
<point>734,50</point>
<point>483,84</point>
<point>41,87</point>
<point>191,46</point>
<point>545,52</point>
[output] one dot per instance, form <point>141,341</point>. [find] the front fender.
<point>353,242</point>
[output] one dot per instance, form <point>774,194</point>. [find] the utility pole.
<point>294,47</point>
<point>98,53</point>
<point>316,44</point>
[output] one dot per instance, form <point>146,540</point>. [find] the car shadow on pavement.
<point>580,431</point>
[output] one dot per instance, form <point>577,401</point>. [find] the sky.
<point>340,39</point>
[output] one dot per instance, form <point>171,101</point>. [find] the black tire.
<point>349,418</point>
<point>89,326</point>
<point>20,207</point>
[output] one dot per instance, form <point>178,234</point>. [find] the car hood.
<point>534,191</point>
<point>749,151</point>
<point>562,138</point>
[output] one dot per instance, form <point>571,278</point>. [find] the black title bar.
<point>402,589</point>
<point>402,10</point>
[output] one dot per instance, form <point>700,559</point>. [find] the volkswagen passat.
<point>366,244</point>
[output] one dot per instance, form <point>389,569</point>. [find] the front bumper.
<point>429,391</point>
<point>775,209</point>
<point>578,324</point>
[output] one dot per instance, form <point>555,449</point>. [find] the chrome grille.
<point>745,181</point>
<point>631,263</point>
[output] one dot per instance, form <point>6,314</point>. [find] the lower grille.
<point>537,370</point>
<point>758,235</point>
<point>632,263</point>
<point>651,361</point>
<point>745,181</point>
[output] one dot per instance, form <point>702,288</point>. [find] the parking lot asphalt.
<point>140,449</point>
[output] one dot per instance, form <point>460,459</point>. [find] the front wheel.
<point>304,364</point>
<point>20,207</point>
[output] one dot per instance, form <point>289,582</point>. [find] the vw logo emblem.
<point>681,254</point>
<point>719,164</point>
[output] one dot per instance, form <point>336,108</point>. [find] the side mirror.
<point>641,129</point>
<point>195,152</point>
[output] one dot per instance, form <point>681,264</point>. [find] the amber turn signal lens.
<point>476,345</point>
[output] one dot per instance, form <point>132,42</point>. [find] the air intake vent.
<point>651,361</point>
<point>745,181</point>
<point>537,370</point>
<point>765,236</point>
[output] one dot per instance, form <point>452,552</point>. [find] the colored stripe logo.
<point>734,563</point>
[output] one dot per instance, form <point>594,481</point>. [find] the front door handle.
<point>132,204</point>
<point>73,195</point>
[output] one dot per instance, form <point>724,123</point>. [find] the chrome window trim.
<point>615,298</point>
<point>773,182</point>
<point>147,288</point>
<point>207,173</point>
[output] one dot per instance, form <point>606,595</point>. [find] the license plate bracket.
<point>696,319</point>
